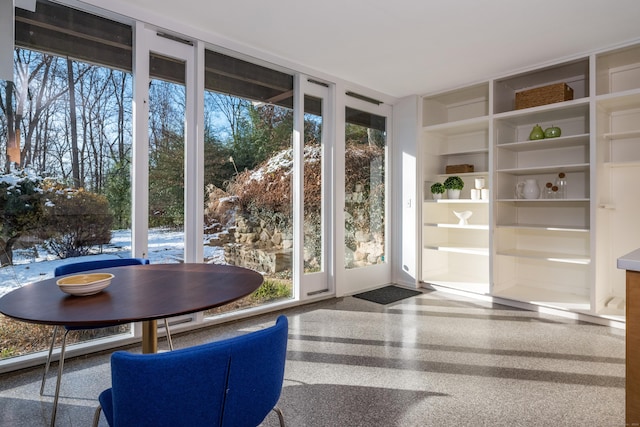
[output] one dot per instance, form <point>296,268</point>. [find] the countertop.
<point>630,261</point>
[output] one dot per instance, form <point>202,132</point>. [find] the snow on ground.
<point>36,264</point>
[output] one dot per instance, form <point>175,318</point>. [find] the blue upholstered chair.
<point>232,383</point>
<point>77,268</point>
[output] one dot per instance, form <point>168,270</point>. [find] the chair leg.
<point>48,362</point>
<point>60,368</point>
<point>280,415</point>
<point>166,328</point>
<point>96,416</point>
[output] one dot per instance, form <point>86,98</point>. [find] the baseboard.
<point>583,317</point>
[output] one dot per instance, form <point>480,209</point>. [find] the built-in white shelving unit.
<point>456,131</point>
<point>530,262</point>
<point>556,251</point>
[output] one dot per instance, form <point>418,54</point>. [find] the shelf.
<point>620,101</point>
<point>466,227</point>
<point>612,314</point>
<point>457,200</point>
<point>460,249</point>
<point>547,113</point>
<point>456,106</point>
<point>622,135</point>
<point>463,152</point>
<point>574,73</point>
<point>475,124</point>
<point>578,167</point>
<point>462,175</point>
<point>551,201</point>
<point>547,256</point>
<point>543,216</point>
<point>618,70</point>
<point>547,143</point>
<point>547,298</point>
<point>459,282</point>
<point>545,227</point>
<point>622,164</point>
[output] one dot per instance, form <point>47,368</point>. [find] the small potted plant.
<point>437,190</point>
<point>453,184</point>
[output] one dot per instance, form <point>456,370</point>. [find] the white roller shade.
<point>6,39</point>
<point>29,5</point>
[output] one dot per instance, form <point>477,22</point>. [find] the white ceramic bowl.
<point>84,284</point>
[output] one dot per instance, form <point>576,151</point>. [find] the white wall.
<point>406,191</point>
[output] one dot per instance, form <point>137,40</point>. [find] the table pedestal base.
<point>150,336</point>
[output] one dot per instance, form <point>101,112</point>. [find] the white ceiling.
<point>403,47</point>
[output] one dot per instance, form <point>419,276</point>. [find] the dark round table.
<point>136,293</point>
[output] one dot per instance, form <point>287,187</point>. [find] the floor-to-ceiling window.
<point>166,145</point>
<point>65,138</point>
<point>314,235</point>
<point>365,189</point>
<point>67,127</point>
<point>248,172</point>
<point>363,253</point>
<point>315,255</point>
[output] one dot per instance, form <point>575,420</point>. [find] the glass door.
<point>249,175</point>
<point>164,177</point>
<point>316,182</point>
<point>166,170</point>
<point>167,103</point>
<point>364,243</point>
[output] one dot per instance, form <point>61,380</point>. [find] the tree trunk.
<point>35,106</point>
<point>6,251</point>
<point>75,162</point>
<point>11,120</point>
<point>121,152</point>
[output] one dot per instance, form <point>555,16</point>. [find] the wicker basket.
<point>543,95</point>
<point>458,168</point>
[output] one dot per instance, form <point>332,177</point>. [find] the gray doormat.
<point>387,294</point>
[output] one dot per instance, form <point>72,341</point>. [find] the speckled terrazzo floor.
<point>433,360</point>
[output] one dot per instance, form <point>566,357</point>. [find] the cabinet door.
<point>623,229</point>
<point>618,171</point>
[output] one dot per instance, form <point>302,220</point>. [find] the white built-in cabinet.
<point>553,251</point>
<point>456,132</point>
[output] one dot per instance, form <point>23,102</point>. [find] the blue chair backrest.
<point>77,267</point>
<point>256,374</point>
<point>233,383</point>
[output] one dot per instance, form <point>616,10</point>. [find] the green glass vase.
<point>536,133</point>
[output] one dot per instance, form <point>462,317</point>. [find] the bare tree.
<point>232,108</point>
<point>96,93</point>
<point>7,109</point>
<point>73,126</point>
<point>119,83</point>
<point>35,71</point>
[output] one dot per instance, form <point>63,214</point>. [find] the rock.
<point>276,239</point>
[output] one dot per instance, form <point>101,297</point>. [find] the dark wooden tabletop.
<point>136,293</point>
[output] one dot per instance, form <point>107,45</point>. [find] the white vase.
<point>436,196</point>
<point>528,189</point>
<point>453,194</point>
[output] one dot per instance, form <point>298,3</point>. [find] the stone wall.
<point>369,250</point>
<point>264,248</point>
<point>263,260</point>
<point>256,245</point>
